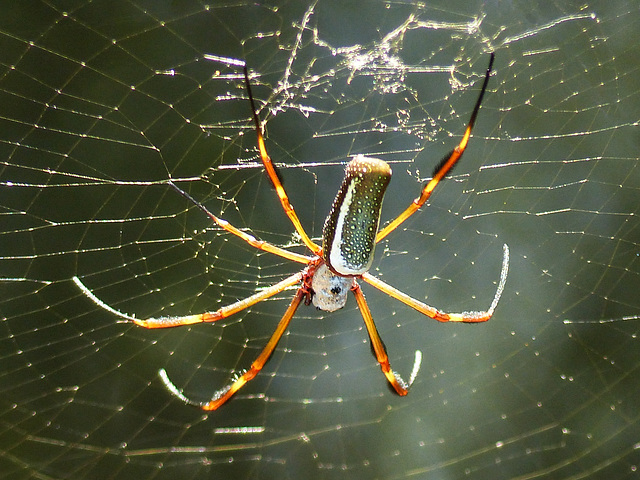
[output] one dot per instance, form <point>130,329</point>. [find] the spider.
<point>349,237</point>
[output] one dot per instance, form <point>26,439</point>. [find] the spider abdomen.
<point>349,234</point>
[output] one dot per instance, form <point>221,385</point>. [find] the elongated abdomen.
<point>349,235</point>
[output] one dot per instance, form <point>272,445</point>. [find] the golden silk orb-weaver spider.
<point>349,237</point>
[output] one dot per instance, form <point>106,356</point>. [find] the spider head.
<point>329,290</point>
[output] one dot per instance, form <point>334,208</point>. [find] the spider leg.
<point>399,385</point>
<point>467,317</point>
<point>223,312</point>
<point>250,239</point>
<point>224,394</point>
<point>273,175</point>
<point>442,169</point>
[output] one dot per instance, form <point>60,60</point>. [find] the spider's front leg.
<point>400,386</point>
<point>177,321</point>
<point>224,394</point>
<point>464,317</point>
<point>330,293</point>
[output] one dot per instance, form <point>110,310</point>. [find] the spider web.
<point>103,102</point>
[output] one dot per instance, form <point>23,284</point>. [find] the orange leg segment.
<point>275,179</point>
<point>399,385</point>
<point>466,317</point>
<point>443,169</point>
<point>223,312</point>
<point>227,392</point>
<point>250,239</point>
